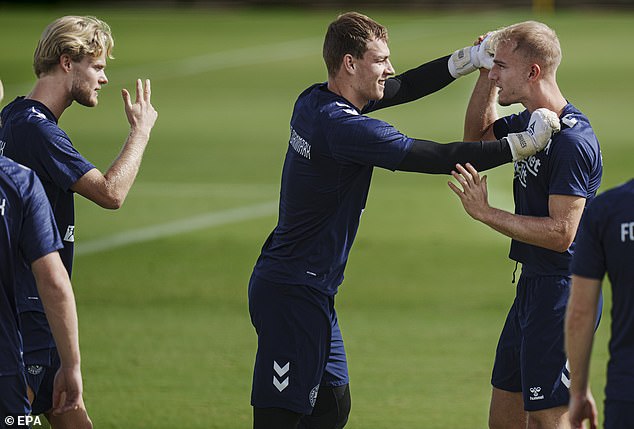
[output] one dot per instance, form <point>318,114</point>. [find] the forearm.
<point>110,190</point>
<point>415,83</point>
<point>57,297</point>
<point>121,175</point>
<point>436,158</point>
<point>579,331</point>
<point>543,232</point>
<point>481,110</point>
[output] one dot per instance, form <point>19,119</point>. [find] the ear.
<point>534,72</point>
<point>349,63</point>
<point>65,62</point>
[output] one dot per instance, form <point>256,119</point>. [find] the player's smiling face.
<point>88,77</point>
<point>510,73</point>
<point>373,70</point>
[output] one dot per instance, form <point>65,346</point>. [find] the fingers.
<point>147,93</point>
<point>455,189</point>
<point>467,176</point>
<point>143,92</point>
<point>67,401</point>
<point>139,91</point>
<point>126,97</point>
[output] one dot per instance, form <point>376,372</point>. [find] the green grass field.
<point>161,284</point>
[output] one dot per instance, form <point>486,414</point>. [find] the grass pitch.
<point>161,284</point>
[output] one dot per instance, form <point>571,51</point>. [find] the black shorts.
<point>530,356</point>
<point>40,378</point>
<point>300,346</point>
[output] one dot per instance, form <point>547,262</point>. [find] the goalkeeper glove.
<point>466,60</point>
<point>542,125</point>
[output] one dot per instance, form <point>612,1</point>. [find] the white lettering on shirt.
<point>522,168</point>
<point>2,207</point>
<point>627,231</point>
<point>300,145</point>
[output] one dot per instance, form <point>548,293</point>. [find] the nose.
<point>103,79</point>
<point>390,70</point>
<point>492,73</point>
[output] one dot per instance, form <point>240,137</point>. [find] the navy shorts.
<point>530,356</point>
<point>300,346</point>
<point>40,368</point>
<point>13,401</point>
<point>618,414</point>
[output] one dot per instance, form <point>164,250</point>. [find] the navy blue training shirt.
<point>30,135</point>
<point>606,244</point>
<point>570,165</point>
<point>27,233</point>
<point>325,181</point>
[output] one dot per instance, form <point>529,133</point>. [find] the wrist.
<point>139,132</point>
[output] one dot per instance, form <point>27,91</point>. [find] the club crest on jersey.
<point>70,234</point>
<point>35,369</point>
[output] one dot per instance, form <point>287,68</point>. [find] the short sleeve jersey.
<point>571,164</point>
<point>28,232</point>
<point>606,244</point>
<point>332,150</point>
<point>30,135</point>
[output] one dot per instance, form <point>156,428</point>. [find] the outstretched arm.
<point>109,190</point>
<point>436,158</point>
<point>429,157</point>
<point>57,297</point>
<point>414,84</point>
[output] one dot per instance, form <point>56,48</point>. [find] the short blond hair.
<point>350,34</point>
<point>75,36</point>
<point>536,41</point>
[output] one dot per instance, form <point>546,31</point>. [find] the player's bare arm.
<point>57,297</point>
<point>481,110</point>
<point>555,232</point>
<point>580,325</point>
<point>109,190</point>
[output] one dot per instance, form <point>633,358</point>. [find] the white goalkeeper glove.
<point>469,59</point>
<point>542,125</point>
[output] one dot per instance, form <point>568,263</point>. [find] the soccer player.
<point>69,62</point>
<point>605,243</point>
<point>551,189</point>
<point>29,236</point>
<point>301,376</point>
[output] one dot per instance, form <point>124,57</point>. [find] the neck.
<point>549,96</point>
<point>345,89</point>
<point>52,93</point>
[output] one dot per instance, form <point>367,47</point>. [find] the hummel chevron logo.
<point>281,371</point>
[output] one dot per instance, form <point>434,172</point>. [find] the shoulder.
<point>624,192</point>
<point>32,116</point>
<point>576,134</point>
<point>16,175</point>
